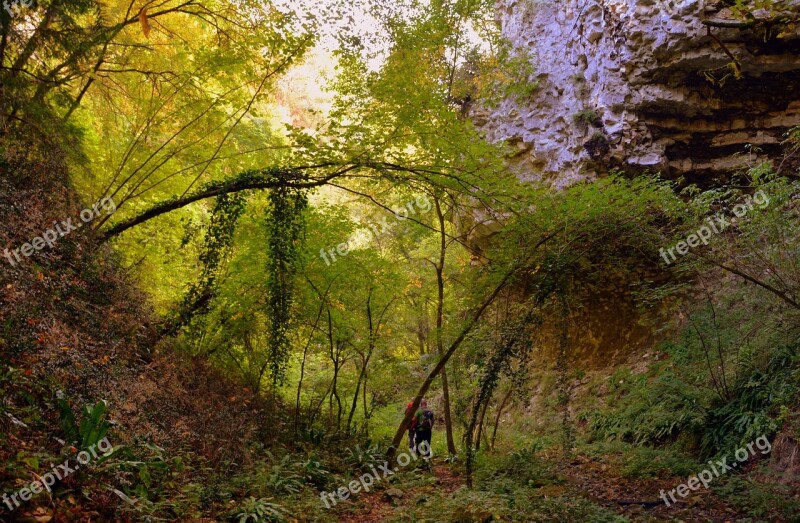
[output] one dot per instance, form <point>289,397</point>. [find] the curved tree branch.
<point>266,179</point>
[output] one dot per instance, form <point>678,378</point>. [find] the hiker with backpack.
<point>423,428</point>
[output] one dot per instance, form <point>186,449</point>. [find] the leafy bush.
<point>653,412</point>
<point>519,504</point>
<point>279,477</point>
<point>597,146</point>
<point>145,472</point>
<point>521,466</point>
<point>759,500</point>
<point>314,472</point>
<point>93,427</point>
<point>645,462</point>
<point>313,435</point>
<point>760,398</point>
<point>587,117</point>
<point>254,510</point>
<point>364,459</point>
<point>283,479</point>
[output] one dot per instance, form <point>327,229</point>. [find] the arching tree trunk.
<point>472,321</point>
<point>423,389</point>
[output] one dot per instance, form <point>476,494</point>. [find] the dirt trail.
<point>639,498</point>
<point>378,506</point>
<point>635,498</point>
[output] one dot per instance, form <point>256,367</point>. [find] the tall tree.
<point>440,283</point>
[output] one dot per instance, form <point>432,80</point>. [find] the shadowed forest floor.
<point>634,499</point>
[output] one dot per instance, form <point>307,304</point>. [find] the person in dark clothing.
<point>424,430</point>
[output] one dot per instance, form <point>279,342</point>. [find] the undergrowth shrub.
<point>759,500</point>
<point>522,466</point>
<point>761,398</point>
<point>653,411</point>
<point>363,459</point>
<point>314,472</point>
<point>521,504</point>
<point>253,510</point>
<point>285,476</point>
<point>646,462</point>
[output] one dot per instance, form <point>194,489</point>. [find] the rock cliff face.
<point>648,85</point>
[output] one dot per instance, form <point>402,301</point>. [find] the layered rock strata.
<point>686,88</point>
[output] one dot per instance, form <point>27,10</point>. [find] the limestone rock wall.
<point>625,83</point>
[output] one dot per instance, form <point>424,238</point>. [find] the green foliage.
<point>755,386</point>
<point>285,226</point>
<point>357,332</point>
<point>598,145</point>
<point>579,237</point>
<point>358,459</point>
<point>71,35</point>
<point>313,435</point>
<point>286,476</point>
<point>217,244</point>
<point>490,78</point>
<point>314,472</point>
<point>68,422</point>
<point>219,235</point>
<point>511,349</point>
<point>504,499</point>
<point>759,399</point>
<point>772,502</point>
<point>146,473</point>
<point>283,478</point>
<point>745,9</point>
<point>646,462</point>
<point>586,118</point>
<point>522,466</point>
<point>651,411</point>
<point>93,427</point>
<point>634,461</point>
<point>253,510</point>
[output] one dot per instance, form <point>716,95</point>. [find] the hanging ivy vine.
<point>285,228</point>
<point>216,244</point>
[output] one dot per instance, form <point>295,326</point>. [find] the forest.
<point>451,261</point>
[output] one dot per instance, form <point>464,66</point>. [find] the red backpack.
<point>412,425</point>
